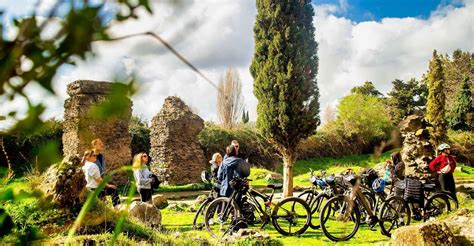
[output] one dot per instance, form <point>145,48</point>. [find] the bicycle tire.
<point>432,209</point>
<point>291,217</point>
<point>324,219</point>
<point>400,206</point>
<point>200,213</point>
<point>220,204</point>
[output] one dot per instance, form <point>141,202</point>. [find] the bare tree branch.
<point>229,98</point>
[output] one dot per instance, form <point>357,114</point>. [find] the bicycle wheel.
<point>198,221</point>
<point>453,203</point>
<point>315,202</point>
<point>394,213</point>
<point>436,205</point>
<point>340,218</point>
<point>291,216</point>
<point>318,204</point>
<point>219,216</point>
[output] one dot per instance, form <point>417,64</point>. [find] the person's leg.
<point>450,184</point>
<point>142,194</point>
<point>149,195</point>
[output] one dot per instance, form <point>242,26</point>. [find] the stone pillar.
<point>81,126</point>
<point>417,151</point>
<point>176,154</point>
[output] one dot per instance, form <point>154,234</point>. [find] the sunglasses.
<point>144,156</point>
<point>236,146</point>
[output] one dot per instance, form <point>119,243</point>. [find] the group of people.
<point>224,169</point>
<point>233,164</point>
<point>93,166</point>
<point>442,166</point>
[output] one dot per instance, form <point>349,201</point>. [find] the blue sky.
<point>367,10</point>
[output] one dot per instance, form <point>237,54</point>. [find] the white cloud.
<point>215,34</point>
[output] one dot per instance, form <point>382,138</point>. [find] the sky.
<point>359,40</point>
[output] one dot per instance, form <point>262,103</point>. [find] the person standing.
<point>110,189</point>
<point>444,165</point>
<point>215,162</point>
<point>143,176</point>
<point>229,169</point>
<point>93,178</point>
<point>236,144</point>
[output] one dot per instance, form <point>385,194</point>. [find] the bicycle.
<point>435,202</point>
<point>198,220</point>
<point>340,217</point>
<point>290,216</point>
<point>330,186</point>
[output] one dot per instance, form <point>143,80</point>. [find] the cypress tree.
<point>462,107</point>
<point>435,113</point>
<point>284,69</point>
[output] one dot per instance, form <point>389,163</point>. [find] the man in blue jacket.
<point>228,170</point>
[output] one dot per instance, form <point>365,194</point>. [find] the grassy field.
<point>177,225</point>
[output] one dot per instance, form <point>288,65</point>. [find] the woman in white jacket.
<point>142,176</point>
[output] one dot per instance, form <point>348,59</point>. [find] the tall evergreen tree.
<point>463,110</point>
<point>435,113</point>
<point>405,98</point>
<point>368,89</point>
<point>284,69</point>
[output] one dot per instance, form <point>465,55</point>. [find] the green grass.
<point>182,222</point>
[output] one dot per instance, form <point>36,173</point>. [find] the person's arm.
<point>220,173</point>
<point>140,177</point>
<point>453,164</point>
<point>434,164</point>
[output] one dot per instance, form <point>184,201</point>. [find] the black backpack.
<point>155,182</point>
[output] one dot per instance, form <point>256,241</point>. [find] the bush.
<point>259,152</point>
<point>140,133</point>
<point>362,124</point>
<point>462,146</point>
<point>36,150</point>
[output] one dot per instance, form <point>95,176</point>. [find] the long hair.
<point>137,161</point>
<point>86,155</point>
<point>215,157</point>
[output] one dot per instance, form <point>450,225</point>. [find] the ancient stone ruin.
<point>177,157</point>
<point>81,125</point>
<point>417,151</point>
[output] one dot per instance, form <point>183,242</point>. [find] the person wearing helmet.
<point>444,165</point>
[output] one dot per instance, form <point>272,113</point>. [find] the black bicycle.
<point>246,206</point>
<point>329,186</point>
<point>198,221</point>
<point>340,217</point>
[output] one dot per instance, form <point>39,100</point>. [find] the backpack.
<point>244,168</point>
<point>155,182</point>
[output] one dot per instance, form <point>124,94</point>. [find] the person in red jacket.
<point>444,165</point>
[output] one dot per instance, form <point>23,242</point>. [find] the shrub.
<point>36,150</point>
<point>140,133</point>
<point>259,152</point>
<point>463,146</point>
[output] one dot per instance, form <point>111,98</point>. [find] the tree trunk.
<point>288,175</point>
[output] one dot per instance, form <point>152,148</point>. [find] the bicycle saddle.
<point>275,186</point>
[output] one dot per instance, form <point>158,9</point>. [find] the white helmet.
<point>443,146</point>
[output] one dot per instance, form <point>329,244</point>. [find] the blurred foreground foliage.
<point>32,51</point>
